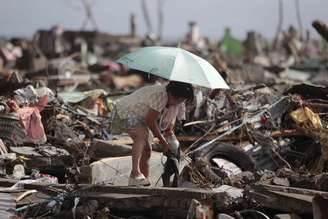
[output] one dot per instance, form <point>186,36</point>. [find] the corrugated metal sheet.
<point>7,201</point>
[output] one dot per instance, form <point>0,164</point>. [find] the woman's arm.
<point>151,120</point>
<point>169,130</point>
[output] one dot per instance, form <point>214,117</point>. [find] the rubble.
<point>244,151</point>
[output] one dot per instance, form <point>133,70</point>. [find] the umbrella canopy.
<point>174,64</point>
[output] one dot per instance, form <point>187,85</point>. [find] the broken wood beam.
<point>157,206</point>
<point>291,202</point>
<point>161,191</point>
<point>292,190</point>
<point>163,201</point>
<point>321,28</point>
<point>102,149</point>
<point>294,199</point>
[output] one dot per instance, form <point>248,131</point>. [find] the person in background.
<point>137,114</point>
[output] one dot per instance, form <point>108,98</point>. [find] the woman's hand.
<point>168,133</point>
<point>151,120</point>
<point>166,147</point>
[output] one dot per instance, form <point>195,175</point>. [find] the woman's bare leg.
<point>139,142</point>
<point>144,161</point>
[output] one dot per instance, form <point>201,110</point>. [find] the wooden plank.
<point>113,195</point>
<point>156,206</point>
<point>162,202</point>
<point>162,191</point>
<point>292,202</point>
<point>157,191</point>
<point>306,198</point>
<point>292,190</point>
<point>281,202</point>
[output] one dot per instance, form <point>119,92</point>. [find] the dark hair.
<point>181,90</point>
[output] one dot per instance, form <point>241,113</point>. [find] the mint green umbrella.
<point>174,64</point>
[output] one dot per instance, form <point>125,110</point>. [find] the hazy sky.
<point>23,17</point>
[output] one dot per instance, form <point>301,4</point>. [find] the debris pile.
<point>244,151</point>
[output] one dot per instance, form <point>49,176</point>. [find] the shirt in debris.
<point>31,119</point>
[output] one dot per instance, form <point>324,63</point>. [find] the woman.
<point>138,113</point>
